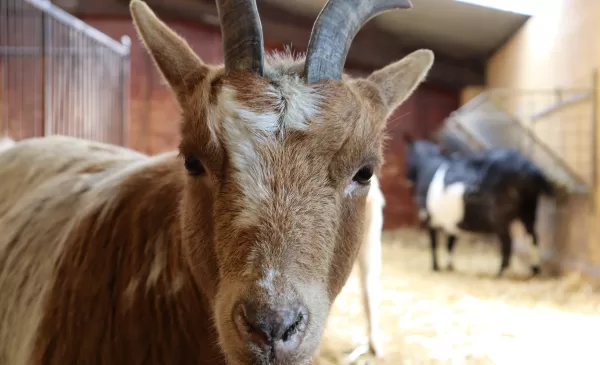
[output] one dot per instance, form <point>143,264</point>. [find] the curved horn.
<point>242,35</point>
<point>334,30</point>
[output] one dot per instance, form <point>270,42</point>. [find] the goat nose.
<point>281,327</point>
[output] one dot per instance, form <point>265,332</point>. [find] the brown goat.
<point>230,251</point>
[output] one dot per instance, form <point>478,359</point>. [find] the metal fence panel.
<point>58,75</point>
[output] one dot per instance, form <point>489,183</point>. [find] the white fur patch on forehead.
<point>299,103</point>
<point>249,169</point>
<point>290,105</point>
<point>293,106</point>
<point>240,119</point>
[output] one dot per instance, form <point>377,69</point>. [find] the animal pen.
<point>557,130</point>
<point>58,75</point>
<point>467,316</point>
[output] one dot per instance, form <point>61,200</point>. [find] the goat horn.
<point>333,32</point>
<point>242,35</point>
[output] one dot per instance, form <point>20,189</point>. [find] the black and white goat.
<point>491,192</point>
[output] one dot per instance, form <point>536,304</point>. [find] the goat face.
<point>277,171</point>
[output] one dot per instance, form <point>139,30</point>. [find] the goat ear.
<point>179,65</point>
<point>397,81</point>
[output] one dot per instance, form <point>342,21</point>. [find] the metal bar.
<point>4,70</point>
<point>65,79</point>
<point>455,123</point>
<point>18,25</point>
<point>125,90</point>
<point>561,104</point>
<point>515,121</point>
<point>34,51</point>
<point>517,92</point>
<point>542,145</point>
<point>74,23</point>
<point>594,141</point>
<point>45,74</point>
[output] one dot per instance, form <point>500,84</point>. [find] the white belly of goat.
<point>445,204</point>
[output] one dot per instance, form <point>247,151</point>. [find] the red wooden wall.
<point>154,115</point>
<point>420,115</point>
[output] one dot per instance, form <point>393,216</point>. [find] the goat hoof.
<point>535,270</point>
<point>435,268</point>
<point>450,267</point>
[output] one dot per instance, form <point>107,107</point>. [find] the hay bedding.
<point>468,316</point>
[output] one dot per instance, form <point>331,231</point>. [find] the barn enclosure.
<point>557,130</point>
<point>501,78</point>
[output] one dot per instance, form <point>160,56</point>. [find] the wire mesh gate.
<point>58,75</point>
<point>557,130</point>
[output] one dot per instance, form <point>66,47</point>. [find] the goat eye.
<point>193,166</point>
<point>363,176</point>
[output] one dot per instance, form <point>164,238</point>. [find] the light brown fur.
<point>117,258</point>
<point>369,264</point>
<point>369,271</point>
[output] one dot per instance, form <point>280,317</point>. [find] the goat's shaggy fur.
<point>65,157</point>
<point>80,171</point>
<point>6,143</point>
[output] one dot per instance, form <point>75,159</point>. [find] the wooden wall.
<point>420,115</point>
<point>560,48</point>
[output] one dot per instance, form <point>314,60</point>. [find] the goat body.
<point>74,272</point>
<point>490,192</point>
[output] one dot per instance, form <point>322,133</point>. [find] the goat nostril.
<point>296,326</point>
<point>245,320</point>
<point>266,326</point>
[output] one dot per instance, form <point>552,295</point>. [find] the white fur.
<point>245,129</point>
<point>445,205</point>
<point>299,103</point>
<point>369,264</point>
<point>6,143</point>
<point>266,282</point>
<point>295,106</point>
<point>350,189</point>
<point>242,128</point>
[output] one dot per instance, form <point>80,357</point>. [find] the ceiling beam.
<point>371,49</point>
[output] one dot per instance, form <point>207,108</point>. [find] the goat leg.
<point>369,264</point>
<point>433,241</point>
<point>506,252</point>
<point>535,250</point>
<point>450,249</point>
